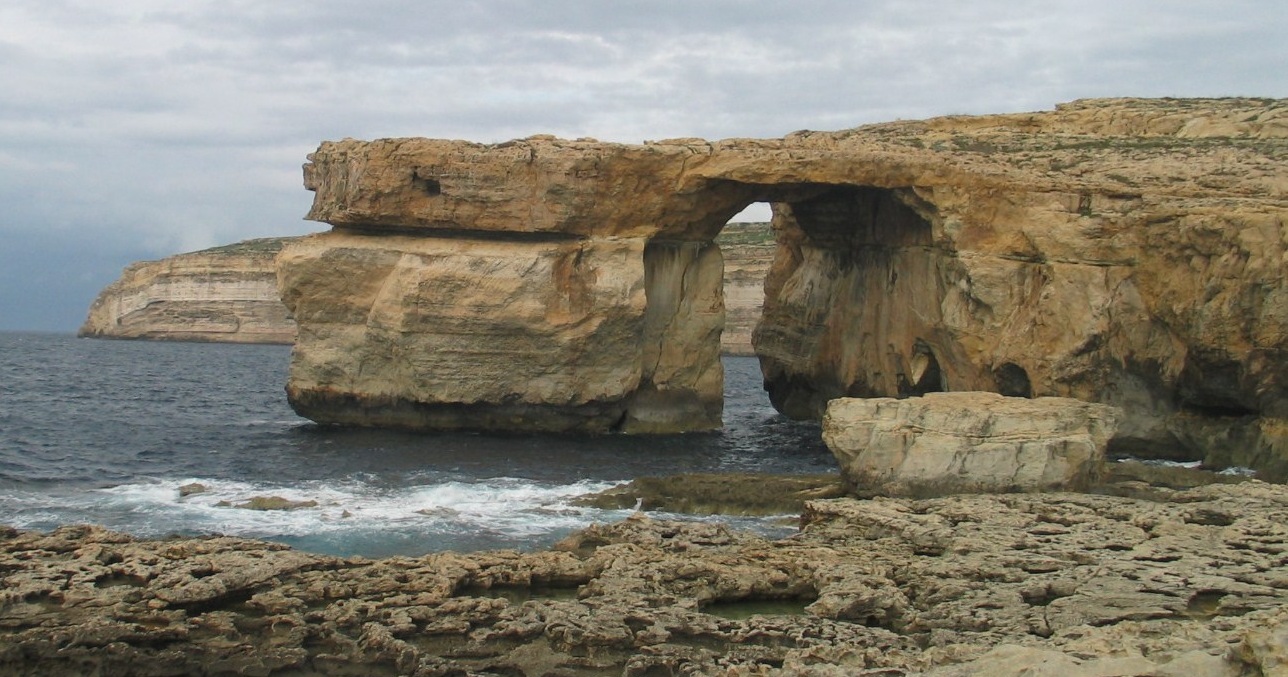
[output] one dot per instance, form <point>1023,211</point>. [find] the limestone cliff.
<point>748,250</point>
<point>1124,251</point>
<point>230,294</point>
<point>226,294</point>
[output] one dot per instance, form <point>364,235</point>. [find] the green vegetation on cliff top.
<point>746,233</point>
<point>263,245</point>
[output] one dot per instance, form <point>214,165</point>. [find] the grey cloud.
<point>142,127</point>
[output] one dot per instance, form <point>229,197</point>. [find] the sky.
<point>137,129</point>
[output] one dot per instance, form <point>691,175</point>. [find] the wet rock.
<point>719,493</point>
<point>268,503</point>
<point>192,488</point>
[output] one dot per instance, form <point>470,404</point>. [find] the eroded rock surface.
<point>1193,583</point>
<point>229,294</point>
<point>967,442</point>
<point>226,294</point>
<point>748,250</point>
<point>1124,251</point>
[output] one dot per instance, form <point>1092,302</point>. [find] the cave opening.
<point>1013,380</point>
<point>924,374</point>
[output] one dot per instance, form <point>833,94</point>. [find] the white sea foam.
<point>1193,465</point>
<point>497,512</point>
<point>505,506</point>
<point>1161,462</point>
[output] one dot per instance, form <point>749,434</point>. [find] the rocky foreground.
<point>1187,582</point>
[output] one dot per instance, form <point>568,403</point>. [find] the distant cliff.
<point>225,294</point>
<point>748,250</point>
<point>229,294</point>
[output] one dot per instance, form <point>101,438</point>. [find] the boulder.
<point>268,503</point>
<point>967,442</point>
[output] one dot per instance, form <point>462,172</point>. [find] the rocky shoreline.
<point>1152,580</point>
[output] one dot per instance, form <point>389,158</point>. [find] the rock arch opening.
<point>747,248</point>
<point>855,280</point>
<point>854,300</point>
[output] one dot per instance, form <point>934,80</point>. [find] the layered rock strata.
<point>225,294</point>
<point>1124,251</point>
<point>967,442</point>
<point>229,294</point>
<point>1191,583</point>
<point>748,251</point>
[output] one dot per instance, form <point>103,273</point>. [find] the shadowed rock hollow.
<point>1124,251</point>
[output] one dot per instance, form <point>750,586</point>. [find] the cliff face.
<point>748,250</point>
<point>227,294</point>
<point>1124,251</point>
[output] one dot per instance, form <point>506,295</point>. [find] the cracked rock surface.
<point>1189,582</point>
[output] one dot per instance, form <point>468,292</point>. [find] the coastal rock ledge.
<point>1121,251</point>
<point>1190,583</point>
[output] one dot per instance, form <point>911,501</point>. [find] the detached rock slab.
<point>967,442</point>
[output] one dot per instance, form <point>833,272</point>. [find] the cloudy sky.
<point>136,129</point>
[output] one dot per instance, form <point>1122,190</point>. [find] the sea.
<point>106,432</point>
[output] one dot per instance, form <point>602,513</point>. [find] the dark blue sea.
<point>105,432</point>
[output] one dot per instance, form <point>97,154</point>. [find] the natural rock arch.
<point>545,284</point>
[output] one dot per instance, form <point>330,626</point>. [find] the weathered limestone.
<point>748,250</point>
<point>229,294</point>
<point>411,332</point>
<point>1191,584</point>
<point>225,294</point>
<point>967,442</point>
<point>1123,251</point>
